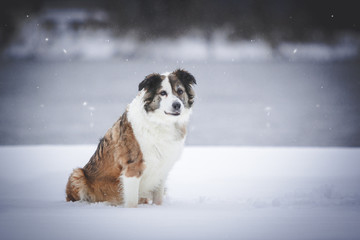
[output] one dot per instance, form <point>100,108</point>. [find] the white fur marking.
<point>130,191</point>
<point>167,102</point>
<point>158,195</point>
<point>157,135</point>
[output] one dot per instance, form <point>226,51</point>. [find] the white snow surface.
<point>212,193</point>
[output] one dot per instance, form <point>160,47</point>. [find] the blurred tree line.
<point>274,21</point>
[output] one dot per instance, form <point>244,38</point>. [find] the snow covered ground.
<point>213,193</point>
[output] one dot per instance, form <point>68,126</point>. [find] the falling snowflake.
<point>268,110</point>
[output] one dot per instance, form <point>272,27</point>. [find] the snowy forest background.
<point>270,73</point>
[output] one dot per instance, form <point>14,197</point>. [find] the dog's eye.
<point>180,91</point>
<point>163,93</point>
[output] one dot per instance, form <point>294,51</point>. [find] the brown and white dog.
<point>133,159</point>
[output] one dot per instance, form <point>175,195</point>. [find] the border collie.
<point>133,159</point>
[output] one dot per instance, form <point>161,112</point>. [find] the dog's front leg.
<point>131,191</point>
<point>158,195</point>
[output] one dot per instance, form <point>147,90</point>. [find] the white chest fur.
<point>160,144</point>
<point>159,155</point>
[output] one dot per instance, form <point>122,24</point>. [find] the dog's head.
<point>168,96</point>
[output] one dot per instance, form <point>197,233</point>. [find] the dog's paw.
<point>131,204</point>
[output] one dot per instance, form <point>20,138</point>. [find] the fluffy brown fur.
<point>118,152</point>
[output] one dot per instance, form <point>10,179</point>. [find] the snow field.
<point>212,193</point>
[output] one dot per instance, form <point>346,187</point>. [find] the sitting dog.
<point>133,159</point>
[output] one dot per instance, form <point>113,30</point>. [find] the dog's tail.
<point>77,186</point>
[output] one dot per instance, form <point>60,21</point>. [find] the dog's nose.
<point>176,106</point>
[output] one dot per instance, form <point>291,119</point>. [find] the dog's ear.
<point>185,77</point>
<point>150,81</point>
<point>188,81</point>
